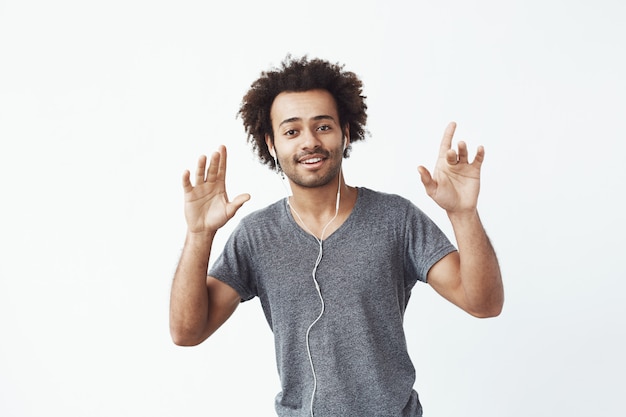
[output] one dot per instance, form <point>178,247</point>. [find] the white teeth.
<point>312,161</point>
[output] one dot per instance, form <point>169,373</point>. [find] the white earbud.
<point>276,165</point>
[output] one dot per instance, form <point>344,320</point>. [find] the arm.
<point>199,304</point>
<point>469,278</point>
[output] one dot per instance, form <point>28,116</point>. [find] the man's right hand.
<point>207,207</point>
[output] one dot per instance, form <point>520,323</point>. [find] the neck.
<point>321,201</point>
<point>321,210</point>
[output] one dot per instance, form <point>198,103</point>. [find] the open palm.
<point>455,182</point>
<point>207,207</point>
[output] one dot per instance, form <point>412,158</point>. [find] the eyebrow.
<point>299,119</point>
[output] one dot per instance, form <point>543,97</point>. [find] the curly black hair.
<point>298,75</point>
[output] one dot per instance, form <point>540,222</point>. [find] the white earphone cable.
<point>317,286</point>
<point>313,274</point>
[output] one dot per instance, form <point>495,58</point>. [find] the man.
<point>333,265</point>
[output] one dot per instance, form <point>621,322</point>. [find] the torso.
<point>325,225</point>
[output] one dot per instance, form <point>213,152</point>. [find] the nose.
<point>310,140</point>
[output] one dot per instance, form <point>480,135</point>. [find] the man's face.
<point>308,139</point>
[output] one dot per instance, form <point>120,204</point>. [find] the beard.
<point>313,179</point>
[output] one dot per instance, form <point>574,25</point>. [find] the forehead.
<point>303,105</point>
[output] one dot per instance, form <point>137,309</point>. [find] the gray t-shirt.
<point>368,268</point>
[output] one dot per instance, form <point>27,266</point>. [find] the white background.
<point>103,105</point>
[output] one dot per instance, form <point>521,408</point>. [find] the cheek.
<point>281,152</point>
<point>287,146</point>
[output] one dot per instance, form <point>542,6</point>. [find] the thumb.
<point>238,201</point>
<point>429,184</point>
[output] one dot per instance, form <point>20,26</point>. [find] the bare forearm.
<point>189,299</point>
<point>479,269</point>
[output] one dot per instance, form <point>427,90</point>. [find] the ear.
<point>270,145</point>
<point>346,136</point>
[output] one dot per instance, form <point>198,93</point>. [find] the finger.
<point>187,187</point>
<point>214,166</point>
<point>429,184</point>
<point>240,200</point>
<point>237,202</point>
<point>200,170</point>
<point>462,152</point>
<point>221,173</point>
<point>451,157</point>
<point>480,156</point>
<point>446,141</point>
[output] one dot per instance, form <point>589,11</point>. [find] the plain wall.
<point>103,105</point>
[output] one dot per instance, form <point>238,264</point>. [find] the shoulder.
<point>265,214</point>
<point>262,223</point>
<point>389,208</point>
<point>378,200</point>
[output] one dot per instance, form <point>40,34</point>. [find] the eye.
<point>324,128</point>
<point>291,132</point>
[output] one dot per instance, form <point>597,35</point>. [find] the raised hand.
<point>455,182</point>
<point>207,207</point>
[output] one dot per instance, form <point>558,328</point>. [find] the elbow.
<point>487,311</point>
<point>488,306</point>
<point>184,341</point>
<point>185,337</point>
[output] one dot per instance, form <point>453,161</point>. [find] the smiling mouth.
<point>311,161</point>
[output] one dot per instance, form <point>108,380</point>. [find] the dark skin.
<point>308,142</point>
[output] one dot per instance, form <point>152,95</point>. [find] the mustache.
<point>317,152</point>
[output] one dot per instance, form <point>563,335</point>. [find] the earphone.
<point>320,254</point>
<point>317,286</point>
<point>273,154</point>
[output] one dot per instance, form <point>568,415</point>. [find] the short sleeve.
<point>426,244</point>
<point>233,265</point>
